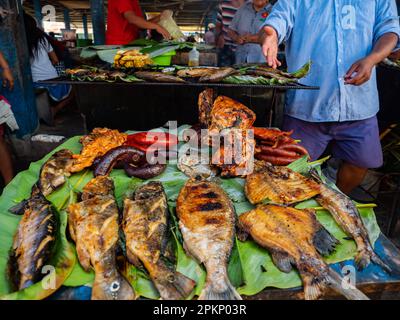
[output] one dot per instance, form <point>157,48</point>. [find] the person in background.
<point>43,59</point>
<point>244,30</point>
<point>209,37</point>
<point>125,20</point>
<point>6,168</point>
<point>343,112</point>
<point>227,47</point>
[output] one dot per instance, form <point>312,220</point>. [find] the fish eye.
<point>115,286</point>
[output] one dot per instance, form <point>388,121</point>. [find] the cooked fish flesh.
<point>97,144</point>
<point>192,165</point>
<point>158,77</point>
<point>33,242</point>
<point>196,72</point>
<point>145,225</point>
<point>53,172</point>
<point>206,102</point>
<point>93,225</point>
<point>207,223</point>
<point>296,238</point>
<point>348,217</point>
<point>207,74</point>
<point>228,113</point>
<point>280,185</point>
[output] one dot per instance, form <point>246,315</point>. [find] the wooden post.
<point>98,21</point>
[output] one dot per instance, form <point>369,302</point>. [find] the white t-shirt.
<point>41,66</point>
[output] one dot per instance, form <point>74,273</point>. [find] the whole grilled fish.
<point>207,223</point>
<point>158,77</point>
<point>207,74</point>
<point>295,237</point>
<point>93,225</point>
<point>280,185</point>
<point>348,217</point>
<point>145,225</point>
<point>33,241</point>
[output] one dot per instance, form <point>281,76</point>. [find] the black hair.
<point>34,35</point>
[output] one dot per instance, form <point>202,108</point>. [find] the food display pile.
<point>104,210</point>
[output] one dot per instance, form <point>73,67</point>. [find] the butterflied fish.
<point>218,75</point>
<point>145,225</point>
<point>207,223</point>
<point>158,77</point>
<point>196,72</point>
<point>33,241</point>
<point>280,185</point>
<point>54,171</point>
<point>93,225</point>
<point>296,238</point>
<point>348,217</point>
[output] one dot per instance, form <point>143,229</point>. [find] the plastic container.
<point>164,60</point>
<point>194,57</point>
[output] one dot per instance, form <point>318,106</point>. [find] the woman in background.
<point>43,58</point>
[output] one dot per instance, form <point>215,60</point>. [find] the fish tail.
<point>219,288</point>
<point>313,287</point>
<point>377,260</point>
<point>336,283</point>
<point>177,289</point>
<point>364,258</point>
<point>114,287</point>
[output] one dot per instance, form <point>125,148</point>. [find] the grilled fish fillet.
<point>93,225</point>
<point>33,241</point>
<point>280,185</point>
<point>145,225</point>
<point>207,223</point>
<point>296,238</point>
<point>348,217</point>
<point>97,144</point>
<point>206,101</point>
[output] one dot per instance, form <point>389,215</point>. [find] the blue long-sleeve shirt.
<point>334,34</point>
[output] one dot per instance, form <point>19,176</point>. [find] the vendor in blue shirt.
<point>345,40</point>
<point>244,30</point>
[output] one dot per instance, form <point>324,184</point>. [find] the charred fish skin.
<point>207,223</point>
<point>93,225</point>
<point>348,217</point>
<point>294,238</point>
<point>33,242</point>
<point>145,225</point>
<point>53,172</point>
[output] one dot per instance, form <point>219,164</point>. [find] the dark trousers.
<point>226,56</point>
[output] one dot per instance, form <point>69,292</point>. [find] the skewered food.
<point>280,185</point>
<point>207,222</point>
<point>95,145</point>
<point>93,225</point>
<point>145,225</point>
<point>33,242</point>
<point>348,217</point>
<point>295,237</point>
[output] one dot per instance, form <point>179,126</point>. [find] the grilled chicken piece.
<point>33,241</point>
<point>206,101</point>
<point>53,172</point>
<point>145,226</point>
<point>207,222</point>
<point>228,113</point>
<point>280,185</point>
<point>97,144</point>
<point>348,217</point>
<point>296,238</point>
<point>93,225</point>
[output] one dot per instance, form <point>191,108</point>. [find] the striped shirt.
<point>226,12</point>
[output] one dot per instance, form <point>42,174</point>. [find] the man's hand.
<point>8,79</point>
<point>269,42</point>
<point>161,30</point>
<point>360,72</point>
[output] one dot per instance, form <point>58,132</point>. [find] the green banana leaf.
<point>250,268</point>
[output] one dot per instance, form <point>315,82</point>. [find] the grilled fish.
<point>212,75</point>
<point>207,222</point>
<point>93,225</point>
<point>33,241</point>
<point>145,225</point>
<point>97,144</point>
<point>295,237</point>
<point>53,172</point>
<point>280,185</point>
<point>348,217</point>
<point>206,101</point>
<point>158,77</point>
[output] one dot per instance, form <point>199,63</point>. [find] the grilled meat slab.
<point>145,225</point>
<point>93,225</point>
<point>207,223</point>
